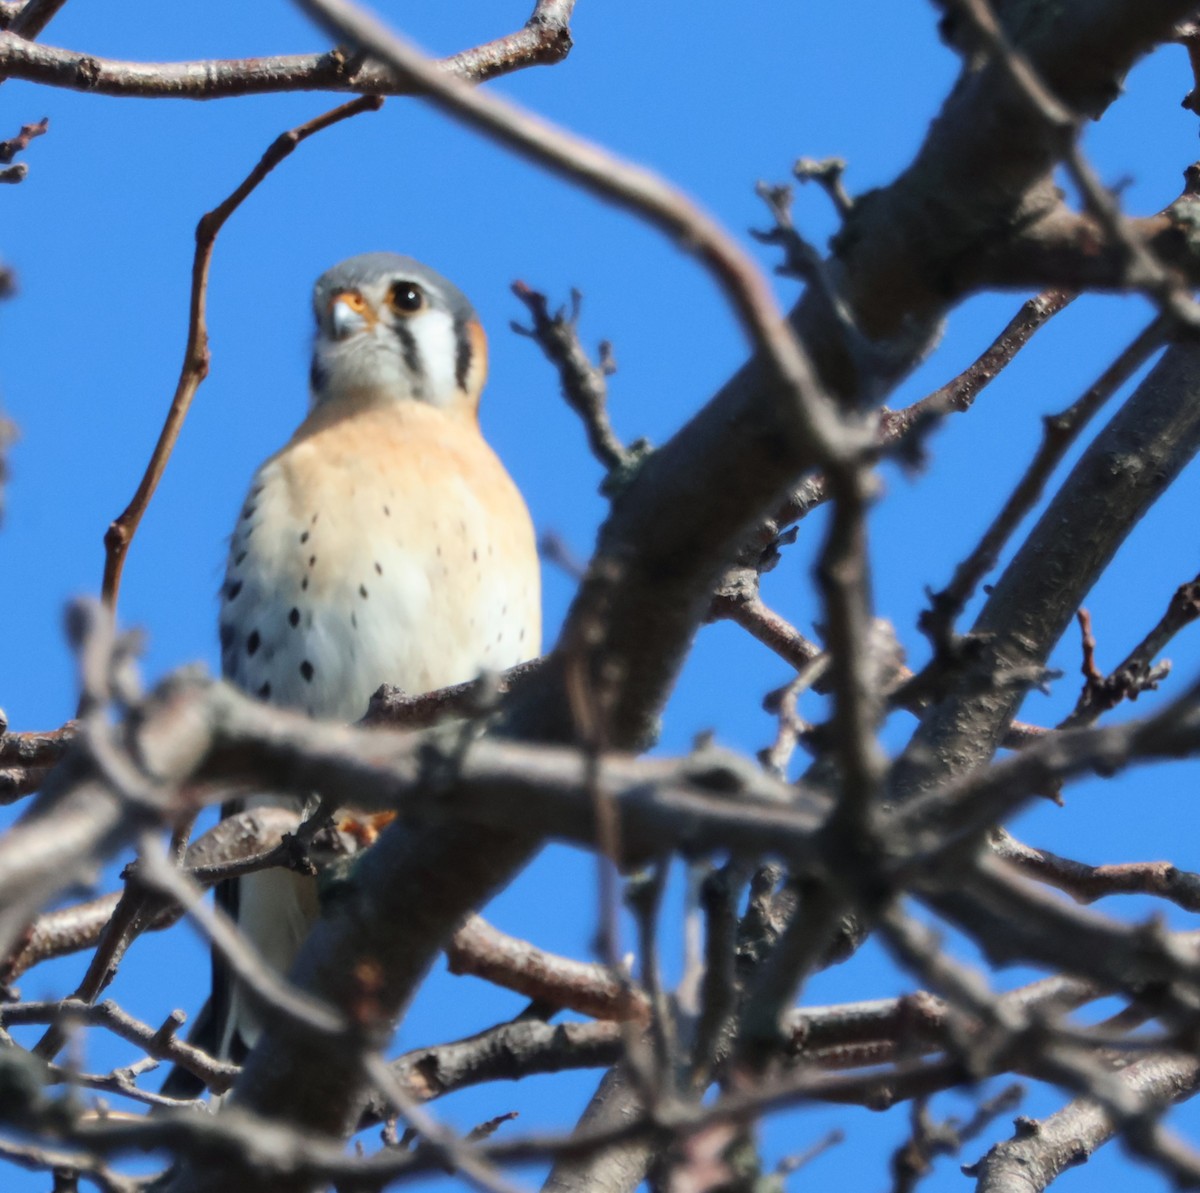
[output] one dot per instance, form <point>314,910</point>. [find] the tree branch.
<point>544,40</point>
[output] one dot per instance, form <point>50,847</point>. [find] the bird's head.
<point>390,329</point>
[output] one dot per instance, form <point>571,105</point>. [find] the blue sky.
<point>100,235</point>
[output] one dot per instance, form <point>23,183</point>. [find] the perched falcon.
<point>384,544</point>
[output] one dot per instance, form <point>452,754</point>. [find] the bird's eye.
<point>406,298</point>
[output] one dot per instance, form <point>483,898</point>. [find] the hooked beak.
<point>349,313</point>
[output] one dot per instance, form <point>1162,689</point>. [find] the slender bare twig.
<point>1086,883</point>
<point>545,39</point>
<point>251,970</point>
<point>196,356</point>
<point>454,1151</point>
<point>801,260</point>
<point>35,1158</point>
<point>584,384</point>
<point>135,910</point>
<point>931,1138</point>
<point>161,1043</point>
<point>737,599</point>
<point>122,1082</point>
<point>1138,673</point>
<point>784,703</point>
<point>14,145</point>
<point>1059,432</point>
<point>957,395</point>
<point>1091,673</point>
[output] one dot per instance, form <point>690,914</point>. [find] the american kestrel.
<point>385,543</point>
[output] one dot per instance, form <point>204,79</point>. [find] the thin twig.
<point>196,355</point>
<point>931,1138</point>
<point>1059,432</point>
<point>584,384</point>
<point>14,145</point>
<point>1086,883</point>
<point>1138,673</point>
<point>643,894</point>
<point>161,1043</point>
<point>956,396</point>
<point>545,39</point>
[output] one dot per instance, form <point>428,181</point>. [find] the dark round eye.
<point>406,298</point>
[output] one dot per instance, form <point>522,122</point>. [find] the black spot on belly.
<point>354,621</point>
<point>312,559</point>
<point>304,584</point>
<point>474,556</point>
<point>387,513</point>
<point>240,557</point>
<point>248,510</point>
<point>306,669</point>
<point>315,517</point>
<point>264,693</point>
<point>362,591</point>
<point>252,642</point>
<point>294,617</point>
<point>304,537</point>
<point>378,570</point>
<point>232,589</point>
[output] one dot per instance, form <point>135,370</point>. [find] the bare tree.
<point>790,874</point>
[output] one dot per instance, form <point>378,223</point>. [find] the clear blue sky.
<point>713,96</point>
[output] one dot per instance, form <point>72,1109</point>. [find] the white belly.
<point>419,570</point>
